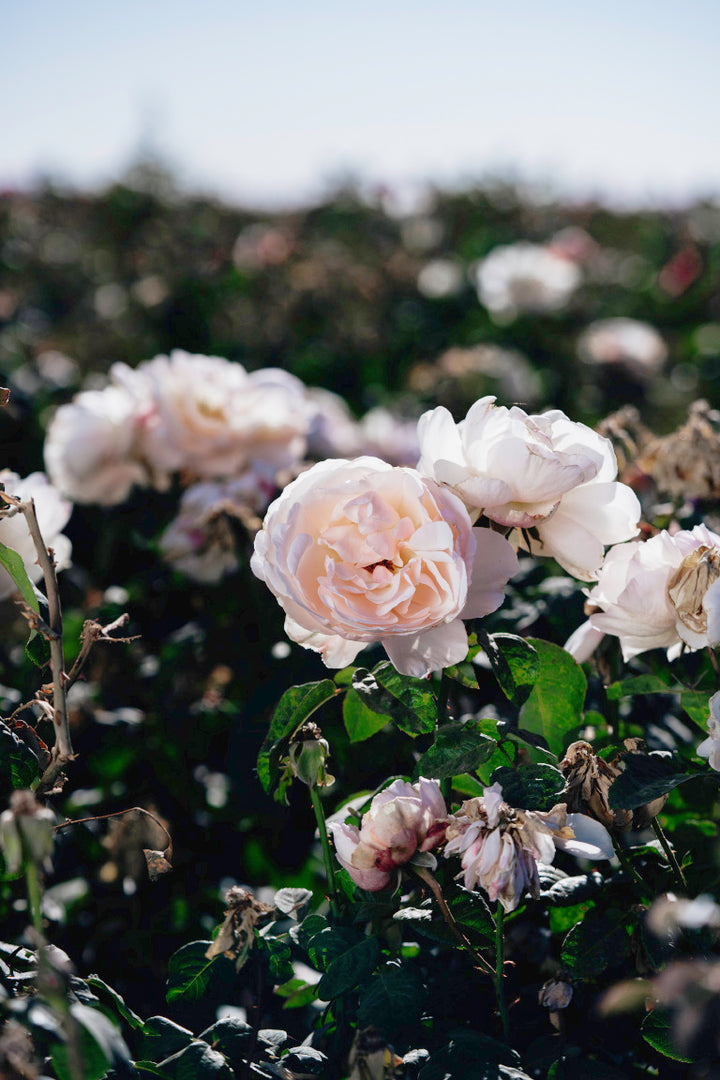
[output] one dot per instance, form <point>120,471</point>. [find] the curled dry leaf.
<point>235,937</point>
<point>158,862</point>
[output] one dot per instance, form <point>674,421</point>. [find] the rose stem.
<point>442,708</point>
<point>630,870</point>
<point>677,872</point>
<point>325,843</point>
<point>34,891</point>
<point>62,751</point>
<point>499,963</point>
<point>449,918</point>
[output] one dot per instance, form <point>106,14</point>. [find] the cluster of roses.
<point>500,847</point>
<point>232,435</point>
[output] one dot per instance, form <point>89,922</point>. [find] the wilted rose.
<point>541,472</point>
<point>359,552</point>
<point>402,820</point>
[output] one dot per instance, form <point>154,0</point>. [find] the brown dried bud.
<point>588,779</point>
<point>235,937</point>
<point>687,587</point>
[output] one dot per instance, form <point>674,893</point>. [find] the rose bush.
<point>360,551</point>
<point>541,472</point>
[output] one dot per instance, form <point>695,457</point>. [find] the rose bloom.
<point>710,748</point>
<point>656,593</point>
<point>360,551</point>
<point>92,447</point>
<point>541,472</point>
<point>213,419</point>
<point>629,342</point>
<point>53,513</point>
<point>500,847</point>
<point>403,820</point>
<point>522,277</point>
<point>386,435</point>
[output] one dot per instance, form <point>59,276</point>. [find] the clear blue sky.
<point>270,102</point>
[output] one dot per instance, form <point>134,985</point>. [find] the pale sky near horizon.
<point>268,104</point>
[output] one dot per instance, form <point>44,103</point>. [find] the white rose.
<point>359,552</point>
<point>661,593</point>
<point>710,748</point>
<point>515,278</point>
<point>214,419</point>
<point>541,472</point>
<point>91,447</point>
<point>53,513</point>
<point>635,344</point>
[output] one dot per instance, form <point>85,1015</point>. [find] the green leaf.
<point>645,777</point>
<point>295,707</point>
<point>530,787</point>
<point>331,943</point>
<point>16,569</point>
<point>392,999</point>
<point>109,996</point>
<point>516,665</point>
<point>360,721</point>
<point>19,768</point>
<point>656,1030</point>
<point>189,972</point>
<point>410,703</point>
<point>571,891</point>
<point>100,1045</point>
<point>554,708</point>
<point>472,1056</point>
<point>277,956</point>
<point>471,910</point>
<point>596,943</point>
<point>308,928</point>
<point>148,1068</point>
<point>231,1036</point>
<point>162,1037</point>
<point>198,1061</point>
<point>297,993</point>
<point>350,969</point>
<point>642,684</point>
<point>458,748</point>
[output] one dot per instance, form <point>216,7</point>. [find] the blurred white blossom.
<point>710,748</point>
<point>53,513</point>
<point>634,344</point>
<point>522,277</point>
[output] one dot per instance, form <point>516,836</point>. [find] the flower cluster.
<point>500,846</point>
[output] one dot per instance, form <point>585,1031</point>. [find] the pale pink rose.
<point>634,344</point>
<point>541,472</point>
<point>522,277</point>
<point>501,846</point>
<point>92,447</point>
<point>359,552</point>
<point>661,593</point>
<point>53,513</point>
<point>403,820</point>
<point>213,419</point>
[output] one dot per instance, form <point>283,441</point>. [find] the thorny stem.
<point>62,751</point>
<point>115,813</point>
<point>325,844</point>
<point>630,870</point>
<point>499,975</point>
<point>449,918</point>
<point>442,707</point>
<point>674,864</point>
